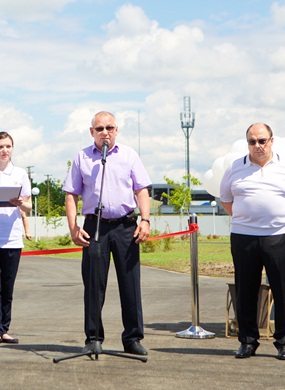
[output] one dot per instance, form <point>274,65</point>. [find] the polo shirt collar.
<point>275,159</point>
<point>8,170</point>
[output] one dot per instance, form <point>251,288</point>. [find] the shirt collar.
<point>8,170</point>
<point>94,148</point>
<point>275,159</point>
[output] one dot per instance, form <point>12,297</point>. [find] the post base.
<point>195,332</point>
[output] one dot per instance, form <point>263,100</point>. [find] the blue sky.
<point>64,60</point>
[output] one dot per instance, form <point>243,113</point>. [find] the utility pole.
<point>139,134</point>
<point>29,169</point>
<point>187,124</point>
<point>48,193</point>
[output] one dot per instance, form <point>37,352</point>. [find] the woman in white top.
<point>11,241</point>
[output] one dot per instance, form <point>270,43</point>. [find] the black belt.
<point>130,217</point>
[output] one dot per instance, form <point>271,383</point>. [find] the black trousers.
<point>9,263</point>
<point>250,254</point>
<point>115,238</point>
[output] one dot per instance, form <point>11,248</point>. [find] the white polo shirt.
<point>258,196</point>
<point>11,225</point>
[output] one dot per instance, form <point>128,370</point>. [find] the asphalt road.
<point>48,320</point>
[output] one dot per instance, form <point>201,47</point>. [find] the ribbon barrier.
<point>50,251</point>
<point>192,228</point>
<point>195,331</point>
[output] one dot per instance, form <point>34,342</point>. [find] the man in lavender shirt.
<point>124,189</point>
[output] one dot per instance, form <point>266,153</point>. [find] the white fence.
<point>218,225</point>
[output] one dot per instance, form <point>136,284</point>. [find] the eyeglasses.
<point>261,141</point>
<point>101,128</point>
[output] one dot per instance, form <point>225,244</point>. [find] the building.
<point>201,201</point>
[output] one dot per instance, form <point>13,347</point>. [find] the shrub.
<point>41,245</point>
<point>64,240</point>
<point>151,246</point>
<point>167,244</point>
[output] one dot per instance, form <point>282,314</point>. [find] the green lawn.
<point>177,258</point>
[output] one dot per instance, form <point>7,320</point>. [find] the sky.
<point>64,60</point>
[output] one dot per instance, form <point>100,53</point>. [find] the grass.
<point>177,258</point>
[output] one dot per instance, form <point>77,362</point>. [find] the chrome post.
<point>195,331</point>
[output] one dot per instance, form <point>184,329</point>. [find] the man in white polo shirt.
<point>253,193</point>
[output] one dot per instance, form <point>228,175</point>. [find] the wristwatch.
<point>146,220</point>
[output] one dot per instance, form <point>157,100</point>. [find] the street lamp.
<point>187,124</point>
<point>35,192</point>
<point>214,204</point>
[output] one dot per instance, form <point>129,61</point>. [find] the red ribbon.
<point>193,227</point>
<point>51,251</point>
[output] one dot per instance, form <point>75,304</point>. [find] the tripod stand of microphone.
<point>95,346</point>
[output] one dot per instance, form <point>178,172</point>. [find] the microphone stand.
<point>95,347</point>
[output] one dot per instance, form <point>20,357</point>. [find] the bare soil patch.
<point>216,269</point>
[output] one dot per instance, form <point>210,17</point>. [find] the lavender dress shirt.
<point>124,173</point>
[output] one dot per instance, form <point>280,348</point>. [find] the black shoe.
<point>281,352</point>
<point>10,341</point>
<point>246,350</point>
<point>135,348</point>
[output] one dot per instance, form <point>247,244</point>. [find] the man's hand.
<point>142,232</point>
<point>79,236</point>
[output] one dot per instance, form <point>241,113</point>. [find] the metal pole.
<point>188,158</point>
<point>187,124</point>
<point>35,192</point>
<point>36,213</point>
<point>195,331</point>
<point>214,204</point>
<point>194,275</point>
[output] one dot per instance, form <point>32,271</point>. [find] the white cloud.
<point>278,13</point>
<point>278,58</point>
<point>30,10</point>
<point>130,20</point>
<point>134,66</point>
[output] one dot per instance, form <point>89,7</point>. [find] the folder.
<point>7,193</point>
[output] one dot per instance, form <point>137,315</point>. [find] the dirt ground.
<point>219,270</point>
<point>216,269</point>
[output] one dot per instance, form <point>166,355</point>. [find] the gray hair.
<point>101,113</point>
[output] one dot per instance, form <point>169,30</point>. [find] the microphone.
<point>104,151</point>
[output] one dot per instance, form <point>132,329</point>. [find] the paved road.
<point>48,319</point>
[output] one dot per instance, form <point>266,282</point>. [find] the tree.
<point>180,196</point>
<point>55,221</point>
<point>51,198</point>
